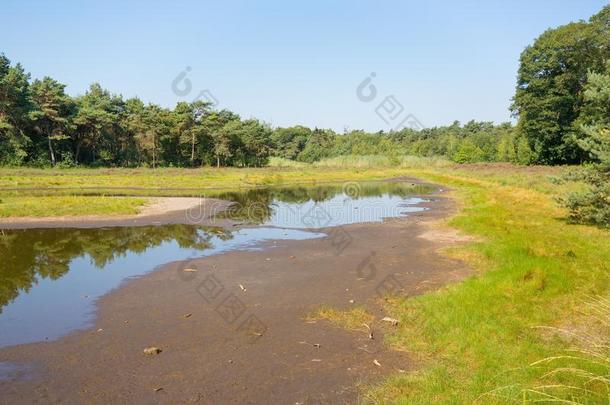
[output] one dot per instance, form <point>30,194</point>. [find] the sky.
<point>292,63</point>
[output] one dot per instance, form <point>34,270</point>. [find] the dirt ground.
<point>234,331</point>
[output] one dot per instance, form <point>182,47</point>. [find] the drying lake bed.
<point>232,295</point>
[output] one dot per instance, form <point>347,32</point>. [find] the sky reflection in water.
<point>50,278</point>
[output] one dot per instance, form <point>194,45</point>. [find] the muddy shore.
<point>234,330</point>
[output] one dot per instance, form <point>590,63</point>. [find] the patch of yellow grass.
<point>354,319</point>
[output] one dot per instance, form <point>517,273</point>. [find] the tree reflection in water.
<point>28,256</point>
<point>34,254</point>
<point>256,205</point>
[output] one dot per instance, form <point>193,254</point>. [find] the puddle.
<point>15,371</point>
<point>340,210</point>
<point>51,278</point>
<point>326,205</point>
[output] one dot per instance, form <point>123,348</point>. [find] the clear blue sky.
<point>291,63</point>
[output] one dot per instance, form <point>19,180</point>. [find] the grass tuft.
<point>354,319</point>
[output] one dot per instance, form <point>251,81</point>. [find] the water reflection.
<point>50,288</point>
<point>50,278</point>
<point>15,371</point>
<point>293,206</point>
<point>35,254</point>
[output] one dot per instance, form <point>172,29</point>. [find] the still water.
<point>50,278</point>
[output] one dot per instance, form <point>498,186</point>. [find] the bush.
<point>468,153</point>
<point>591,206</point>
<point>525,154</point>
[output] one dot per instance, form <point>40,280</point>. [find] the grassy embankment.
<point>531,299</point>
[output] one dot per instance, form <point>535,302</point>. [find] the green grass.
<point>281,162</point>
<point>175,181</point>
<point>534,270</point>
<point>193,180</point>
<point>43,206</point>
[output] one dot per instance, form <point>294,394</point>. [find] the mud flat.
<point>233,328</point>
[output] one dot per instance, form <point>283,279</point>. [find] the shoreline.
<point>164,210</point>
<point>285,281</point>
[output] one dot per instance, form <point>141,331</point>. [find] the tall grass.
<point>356,161</point>
<point>578,375</point>
<point>367,161</point>
<point>582,373</point>
<point>409,161</point>
<point>281,162</point>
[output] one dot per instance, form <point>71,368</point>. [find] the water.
<point>15,371</point>
<point>70,268</point>
<point>50,278</point>
<point>340,210</point>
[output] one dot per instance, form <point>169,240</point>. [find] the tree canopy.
<point>41,125</point>
<point>552,74</point>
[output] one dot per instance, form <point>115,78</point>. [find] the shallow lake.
<point>51,278</point>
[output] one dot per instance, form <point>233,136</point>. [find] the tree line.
<point>41,125</point>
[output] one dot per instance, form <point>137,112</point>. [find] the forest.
<point>561,106</point>
<point>43,126</point>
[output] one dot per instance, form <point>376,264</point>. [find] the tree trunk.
<point>51,151</point>
<point>217,161</point>
<point>154,152</point>
<point>193,149</point>
<point>77,151</point>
